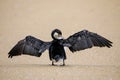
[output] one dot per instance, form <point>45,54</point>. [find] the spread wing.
<point>29,46</point>
<point>85,39</point>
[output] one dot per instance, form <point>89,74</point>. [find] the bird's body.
<point>56,51</point>
<point>76,42</point>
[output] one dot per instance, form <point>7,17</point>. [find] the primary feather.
<point>85,39</point>
<point>30,46</point>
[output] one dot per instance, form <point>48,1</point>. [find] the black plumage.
<point>76,42</point>
<point>30,46</point>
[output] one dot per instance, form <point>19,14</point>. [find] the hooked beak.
<point>60,37</point>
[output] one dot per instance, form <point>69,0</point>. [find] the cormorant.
<point>79,41</point>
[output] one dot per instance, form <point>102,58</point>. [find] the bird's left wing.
<point>30,46</point>
<point>86,39</point>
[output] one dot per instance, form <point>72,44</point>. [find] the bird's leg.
<point>52,63</point>
<point>63,63</point>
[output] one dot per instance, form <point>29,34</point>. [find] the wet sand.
<point>19,18</point>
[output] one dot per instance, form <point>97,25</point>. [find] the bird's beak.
<point>60,37</point>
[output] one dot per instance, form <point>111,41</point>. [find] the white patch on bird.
<point>60,37</point>
<point>57,36</point>
<point>65,48</point>
<point>60,62</point>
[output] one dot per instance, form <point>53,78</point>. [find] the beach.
<point>20,18</point>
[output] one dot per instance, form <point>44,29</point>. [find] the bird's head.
<point>56,34</point>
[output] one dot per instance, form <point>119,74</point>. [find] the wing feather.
<point>86,39</point>
<point>30,46</point>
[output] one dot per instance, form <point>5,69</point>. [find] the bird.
<point>81,40</point>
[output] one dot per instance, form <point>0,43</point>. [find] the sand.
<point>19,18</point>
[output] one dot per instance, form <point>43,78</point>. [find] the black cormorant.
<point>76,42</point>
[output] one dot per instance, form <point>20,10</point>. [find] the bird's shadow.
<point>37,65</point>
<point>52,66</point>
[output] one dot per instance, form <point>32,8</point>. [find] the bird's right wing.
<point>84,40</point>
<point>30,46</point>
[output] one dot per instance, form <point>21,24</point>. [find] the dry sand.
<point>19,18</point>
